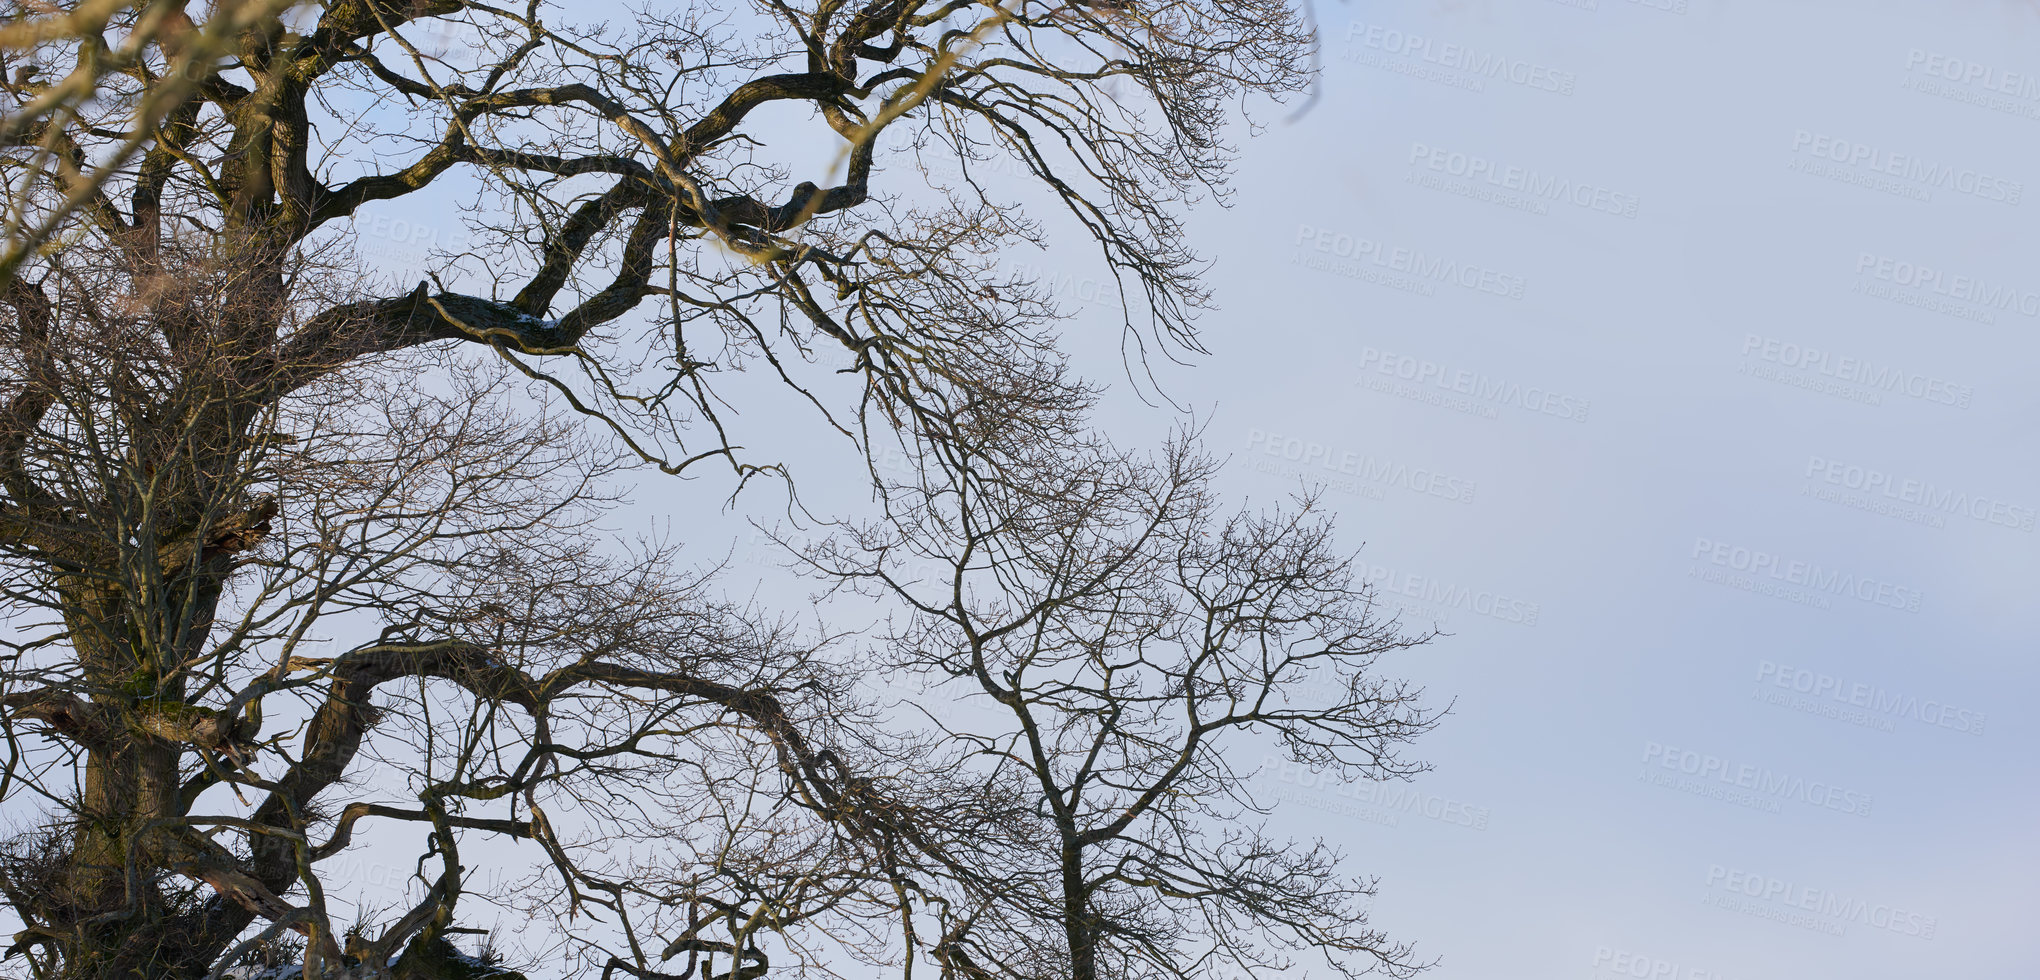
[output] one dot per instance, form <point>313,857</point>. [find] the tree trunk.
<point>1078,929</point>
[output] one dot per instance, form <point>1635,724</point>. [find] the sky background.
<point>1682,329</point>
<point>1543,333</point>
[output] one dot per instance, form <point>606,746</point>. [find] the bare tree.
<point>1130,645</point>
<point>189,688</point>
<point>291,550</point>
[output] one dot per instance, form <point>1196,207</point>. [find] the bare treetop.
<point>291,552</point>
<point>618,165</point>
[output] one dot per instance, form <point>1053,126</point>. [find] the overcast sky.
<point>1724,315</point>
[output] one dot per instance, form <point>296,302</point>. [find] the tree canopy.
<point>282,538</point>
